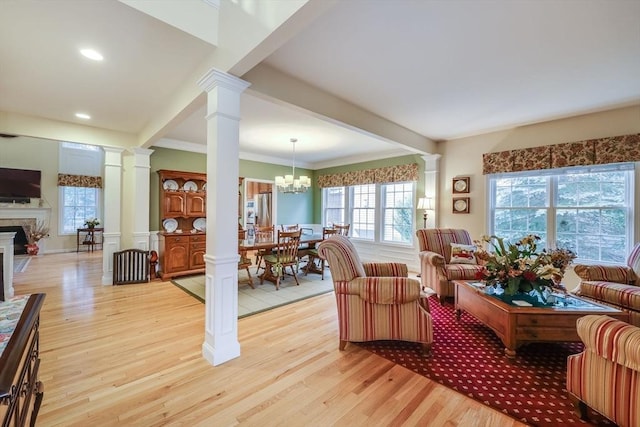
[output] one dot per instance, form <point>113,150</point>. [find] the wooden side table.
<point>91,237</point>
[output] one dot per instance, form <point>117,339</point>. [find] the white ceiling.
<point>443,69</point>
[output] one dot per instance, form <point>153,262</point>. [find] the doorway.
<point>259,203</point>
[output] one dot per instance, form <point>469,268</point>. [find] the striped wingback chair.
<point>617,286</point>
<point>436,271</point>
<point>376,301</point>
<point>606,375</point>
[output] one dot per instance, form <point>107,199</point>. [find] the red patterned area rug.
<point>469,358</point>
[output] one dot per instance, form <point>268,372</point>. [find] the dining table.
<point>306,241</point>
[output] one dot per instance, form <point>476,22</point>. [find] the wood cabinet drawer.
<point>170,240</point>
<point>546,334</point>
<point>198,245</point>
<point>199,238</point>
<point>557,321</point>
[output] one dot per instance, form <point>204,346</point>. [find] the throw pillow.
<point>462,254</point>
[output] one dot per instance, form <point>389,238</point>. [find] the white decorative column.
<point>6,247</point>
<point>221,310</point>
<point>111,210</point>
<point>140,201</point>
<point>431,185</point>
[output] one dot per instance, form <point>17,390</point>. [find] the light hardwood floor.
<point>131,356</point>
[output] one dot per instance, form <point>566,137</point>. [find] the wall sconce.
<point>425,203</point>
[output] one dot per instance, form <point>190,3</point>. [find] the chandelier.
<point>289,183</point>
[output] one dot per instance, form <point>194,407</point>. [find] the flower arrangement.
<point>35,233</point>
<point>519,267</point>
<point>92,223</point>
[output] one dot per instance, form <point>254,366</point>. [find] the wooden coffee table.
<point>516,325</point>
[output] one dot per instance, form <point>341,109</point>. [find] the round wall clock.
<point>461,205</point>
<point>461,185</point>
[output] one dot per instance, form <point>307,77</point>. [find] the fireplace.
<point>19,241</point>
<point>12,218</point>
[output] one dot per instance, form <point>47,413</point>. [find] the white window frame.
<point>551,201</point>
<point>79,159</point>
<point>410,195</point>
<point>78,221</point>
<point>378,221</point>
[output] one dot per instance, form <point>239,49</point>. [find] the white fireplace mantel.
<point>6,248</point>
<point>10,211</point>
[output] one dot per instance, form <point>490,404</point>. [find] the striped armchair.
<point>617,286</point>
<point>435,252</point>
<point>376,301</point>
<point>606,375</point>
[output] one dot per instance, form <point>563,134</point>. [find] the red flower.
<point>480,275</point>
<point>529,275</point>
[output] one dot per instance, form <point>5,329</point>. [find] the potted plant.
<point>34,235</point>
<point>520,268</point>
<point>92,223</point>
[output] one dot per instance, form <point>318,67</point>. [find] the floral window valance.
<point>614,149</point>
<point>399,173</point>
<point>65,180</point>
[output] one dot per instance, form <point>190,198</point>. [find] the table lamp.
<point>426,204</point>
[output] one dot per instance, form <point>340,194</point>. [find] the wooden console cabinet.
<point>21,391</point>
<point>182,250</point>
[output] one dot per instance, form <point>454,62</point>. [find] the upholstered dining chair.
<point>285,255</point>
<point>438,268</point>
<point>263,234</point>
<point>376,301</point>
<point>314,257</point>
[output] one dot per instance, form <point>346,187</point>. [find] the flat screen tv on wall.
<point>19,185</point>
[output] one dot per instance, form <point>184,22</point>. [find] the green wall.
<point>292,208</point>
<point>304,208</point>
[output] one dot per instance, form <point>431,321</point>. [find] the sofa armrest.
<point>431,258</point>
<point>387,290</point>
<point>611,339</point>
<point>385,269</point>
<point>605,273</point>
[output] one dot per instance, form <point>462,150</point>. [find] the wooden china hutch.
<point>183,210</point>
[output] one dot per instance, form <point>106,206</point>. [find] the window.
<point>78,205</point>
<point>363,213</point>
<point>588,210</point>
<point>398,212</point>
<point>376,212</point>
<point>334,205</point>
<point>79,195</point>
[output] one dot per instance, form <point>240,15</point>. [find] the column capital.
<point>216,78</point>
<point>141,156</point>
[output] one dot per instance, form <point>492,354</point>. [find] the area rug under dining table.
<point>469,358</point>
<point>263,297</point>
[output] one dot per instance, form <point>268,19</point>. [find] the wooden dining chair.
<point>291,227</point>
<point>286,255</point>
<point>245,262</point>
<point>314,257</point>
<point>343,229</point>
<point>263,234</point>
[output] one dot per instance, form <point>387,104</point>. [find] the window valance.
<point>398,173</point>
<point>614,149</point>
<point>66,180</point>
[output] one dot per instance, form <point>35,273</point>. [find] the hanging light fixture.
<point>289,183</point>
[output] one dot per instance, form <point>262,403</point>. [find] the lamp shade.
<point>425,203</point>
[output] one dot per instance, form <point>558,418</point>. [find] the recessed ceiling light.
<point>92,54</point>
<point>83,116</point>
